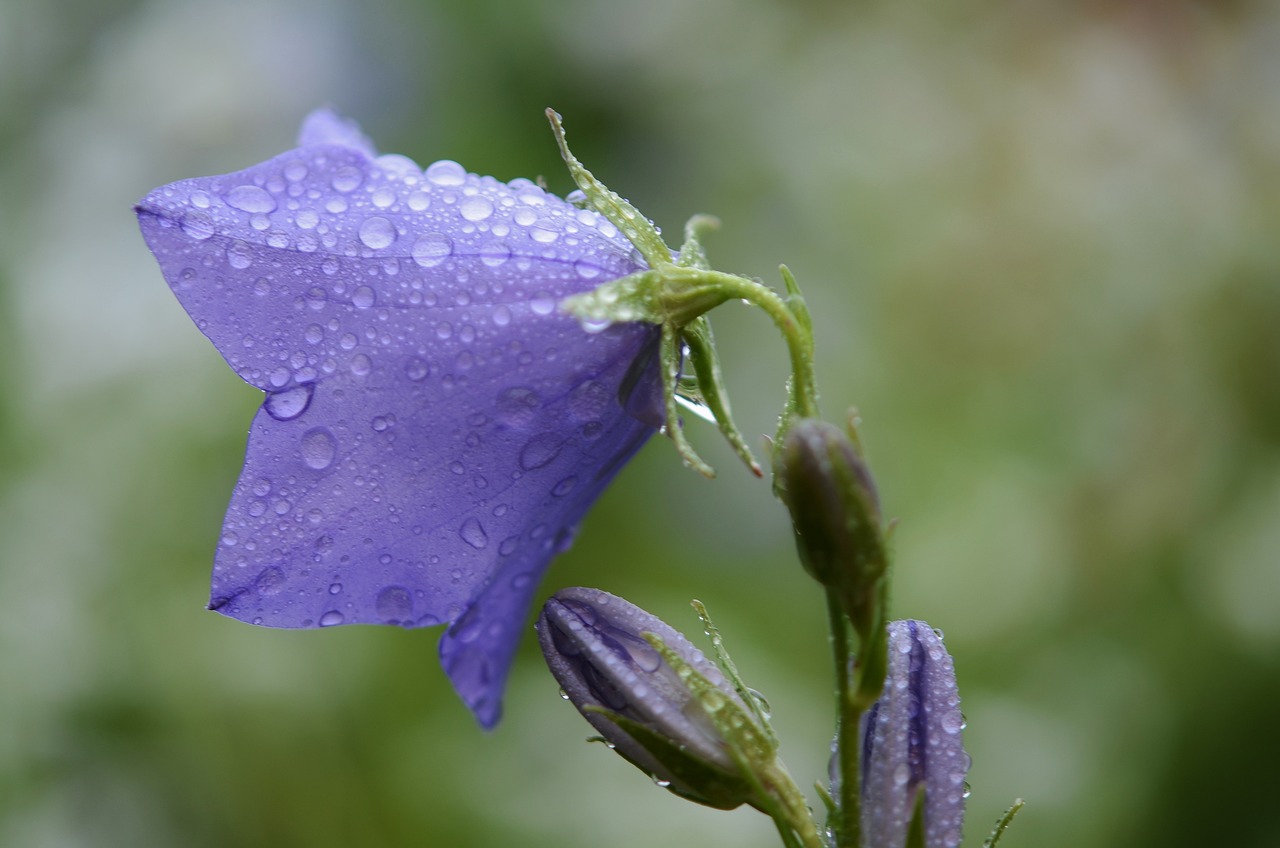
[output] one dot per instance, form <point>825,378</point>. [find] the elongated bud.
<point>912,743</point>
<point>835,512</point>
<point>596,646</point>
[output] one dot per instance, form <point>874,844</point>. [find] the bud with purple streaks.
<point>911,743</point>
<point>651,709</point>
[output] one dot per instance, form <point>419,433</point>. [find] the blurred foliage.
<point>1040,242</point>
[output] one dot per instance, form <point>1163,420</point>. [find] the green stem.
<point>848,745</point>
<point>799,343</point>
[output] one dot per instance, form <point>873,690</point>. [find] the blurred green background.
<point>1040,242</point>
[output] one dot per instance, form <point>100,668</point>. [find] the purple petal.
<point>912,738</point>
<point>433,428</point>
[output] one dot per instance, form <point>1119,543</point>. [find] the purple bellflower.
<point>434,428</point>
<point>912,743</point>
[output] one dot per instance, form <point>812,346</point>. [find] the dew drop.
<point>540,451</point>
<point>446,173</point>
<point>564,487</point>
<point>394,603</point>
<point>542,304</point>
<point>251,198</point>
<point>952,722</point>
<point>239,256</point>
<point>318,447</point>
<point>269,581</point>
<point>197,225</point>
<point>335,588</point>
<point>290,403</point>
<point>432,249</point>
<point>416,368</point>
<point>476,208</point>
<point>331,618</point>
<point>494,253</point>
<point>363,297</point>
<point>518,406</point>
<point>501,316</point>
<point>361,365</point>
<point>347,179</point>
<point>509,545</point>
<point>377,232</point>
<point>473,534</point>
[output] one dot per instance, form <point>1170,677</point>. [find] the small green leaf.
<point>1003,824</point>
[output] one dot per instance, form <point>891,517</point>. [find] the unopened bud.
<point>912,742</point>
<point>596,646</point>
<point>835,512</point>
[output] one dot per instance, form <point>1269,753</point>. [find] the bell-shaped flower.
<point>434,428</point>
<point>912,744</point>
<point>669,711</point>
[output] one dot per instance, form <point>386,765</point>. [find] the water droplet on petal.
<point>290,403</point>
<point>476,208</point>
<point>432,249</point>
<point>416,368</point>
<point>473,534</point>
<point>318,447</point>
<point>363,297</point>
<point>394,603</point>
<point>540,451</point>
<point>330,618</point>
<point>518,406</point>
<point>446,173</point>
<point>251,198</point>
<point>347,179</point>
<point>197,225</point>
<point>377,232</point>
<point>270,581</point>
<point>564,487</point>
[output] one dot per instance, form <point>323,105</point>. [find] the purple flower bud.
<point>835,512</point>
<point>433,429</point>
<point>595,646</point>
<point>912,742</point>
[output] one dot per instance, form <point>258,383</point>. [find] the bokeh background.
<point>1040,242</point>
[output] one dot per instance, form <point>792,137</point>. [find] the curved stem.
<point>799,343</point>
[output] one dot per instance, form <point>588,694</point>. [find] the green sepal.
<point>748,695</point>
<point>1003,824</point>
<point>915,831</point>
<point>687,775</point>
<point>701,345</point>
<point>745,740</point>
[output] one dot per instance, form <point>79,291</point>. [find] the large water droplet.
<point>394,604</point>
<point>473,534</point>
<point>318,447</point>
<point>518,406</point>
<point>476,208</point>
<point>270,581</point>
<point>197,225</point>
<point>540,451</point>
<point>564,487</point>
<point>432,249</point>
<point>251,198</point>
<point>416,368</point>
<point>290,403</point>
<point>363,297</point>
<point>446,173</point>
<point>377,232</point>
<point>330,618</point>
<point>347,179</point>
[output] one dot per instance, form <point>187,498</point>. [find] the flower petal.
<point>433,428</point>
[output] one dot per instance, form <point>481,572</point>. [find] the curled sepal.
<point>753,699</point>
<point>676,291</point>
<point>1003,824</point>
<point>912,745</point>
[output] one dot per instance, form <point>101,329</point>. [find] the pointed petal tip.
<point>325,126</point>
